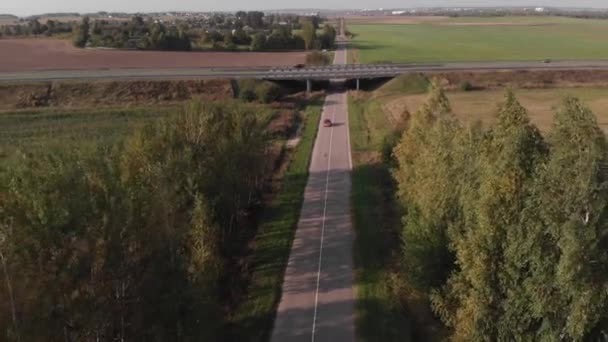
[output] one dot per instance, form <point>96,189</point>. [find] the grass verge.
<point>380,317</point>
<point>253,319</point>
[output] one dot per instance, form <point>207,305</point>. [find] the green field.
<point>480,39</point>
<point>35,130</point>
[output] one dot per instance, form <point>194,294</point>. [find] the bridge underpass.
<point>345,72</point>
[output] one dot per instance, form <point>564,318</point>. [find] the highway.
<point>336,71</point>
<point>318,299</point>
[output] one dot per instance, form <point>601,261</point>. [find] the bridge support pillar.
<point>357,84</point>
<point>308,86</point>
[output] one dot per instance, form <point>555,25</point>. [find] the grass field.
<point>480,39</point>
<point>253,319</point>
<point>32,131</point>
<point>481,105</point>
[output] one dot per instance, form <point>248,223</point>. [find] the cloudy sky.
<point>27,7</point>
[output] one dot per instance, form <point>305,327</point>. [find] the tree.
<point>427,180</point>
<point>267,92</point>
<point>34,27</point>
<point>258,43</point>
<point>241,37</point>
<point>51,27</point>
<point>309,35</point>
<point>328,37</point>
<point>214,36</point>
<point>474,299</point>
<point>278,40</point>
<point>255,19</point>
<point>228,38</point>
<point>129,241</point>
<point>81,34</point>
<point>568,242</point>
<point>241,15</point>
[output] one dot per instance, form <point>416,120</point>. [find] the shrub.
<point>245,89</point>
<point>267,92</point>
<point>318,58</point>
<point>247,95</point>
<point>388,145</point>
<point>466,86</point>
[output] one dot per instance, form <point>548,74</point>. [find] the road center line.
<point>331,136</point>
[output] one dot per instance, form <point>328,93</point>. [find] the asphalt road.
<point>318,299</point>
<point>361,71</point>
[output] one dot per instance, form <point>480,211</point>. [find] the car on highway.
<point>327,123</point>
<point>547,60</point>
<point>299,66</point>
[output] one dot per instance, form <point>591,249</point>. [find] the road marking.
<point>331,136</point>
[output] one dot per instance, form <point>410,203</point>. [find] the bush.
<point>318,58</point>
<point>387,147</point>
<point>466,86</point>
<point>263,91</point>
<point>247,95</point>
<point>245,89</point>
<point>267,92</point>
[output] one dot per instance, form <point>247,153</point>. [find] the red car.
<point>326,123</point>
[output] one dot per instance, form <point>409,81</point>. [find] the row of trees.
<point>35,28</point>
<point>254,20</point>
<point>507,230</point>
<point>130,242</point>
<point>147,34</point>
<point>283,38</point>
<point>134,34</point>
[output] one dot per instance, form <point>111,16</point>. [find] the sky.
<point>29,7</point>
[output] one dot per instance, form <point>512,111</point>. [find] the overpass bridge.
<point>305,73</point>
<point>336,71</point>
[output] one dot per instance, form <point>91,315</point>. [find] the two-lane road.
<point>318,298</point>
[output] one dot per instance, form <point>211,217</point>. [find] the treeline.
<point>285,39</point>
<point>250,90</point>
<point>131,242</point>
<point>507,230</point>
<point>254,20</point>
<point>148,34</point>
<point>35,28</point>
<point>137,34</point>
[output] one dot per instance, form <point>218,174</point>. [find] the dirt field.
<point>52,54</point>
